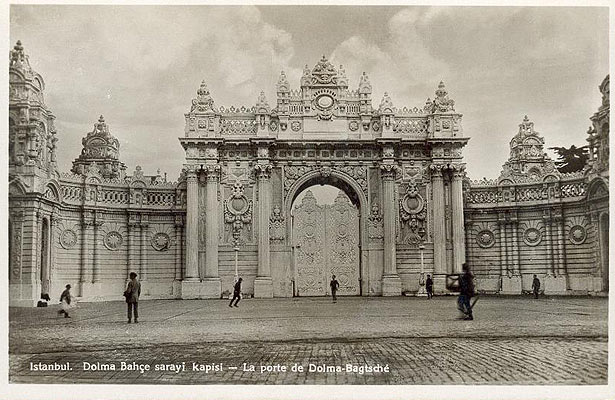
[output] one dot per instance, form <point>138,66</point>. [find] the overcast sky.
<point>141,66</point>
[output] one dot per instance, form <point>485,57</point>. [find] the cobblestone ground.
<point>513,340</point>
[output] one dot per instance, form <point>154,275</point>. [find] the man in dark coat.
<point>236,293</point>
<point>132,293</point>
<point>536,286</point>
<point>65,299</point>
<point>429,286</point>
<point>466,291</point>
<point>334,286</point>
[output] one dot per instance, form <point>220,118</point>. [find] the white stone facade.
<point>401,170</point>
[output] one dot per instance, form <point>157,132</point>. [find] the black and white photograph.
<point>358,200</point>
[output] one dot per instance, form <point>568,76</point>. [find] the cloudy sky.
<point>141,66</point>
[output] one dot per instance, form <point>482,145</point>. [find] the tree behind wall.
<point>571,159</point>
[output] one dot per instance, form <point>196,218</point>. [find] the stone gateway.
<point>405,207</point>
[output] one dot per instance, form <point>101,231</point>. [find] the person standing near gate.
<point>334,286</point>
<point>132,293</point>
<point>535,286</point>
<point>466,292</point>
<point>429,287</point>
<point>236,293</point>
<point>65,300</point>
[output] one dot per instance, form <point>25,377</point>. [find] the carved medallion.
<point>295,126</point>
<point>113,240</point>
<point>68,239</point>
<point>577,234</point>
<point>485,239</point>
<point>161,241</point>
<point>353,125</point>
<point>532,236</point>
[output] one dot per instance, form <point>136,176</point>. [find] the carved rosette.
<point>577,230</point>
<point>533,233</point>
<point>68,238</point>
<point>160,238</point>
<point>113,240</point>
<point>485,238</point>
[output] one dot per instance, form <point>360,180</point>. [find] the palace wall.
<point>547,228</point>
<point>403,169</point>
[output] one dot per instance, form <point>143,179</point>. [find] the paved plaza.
<point>402,340</point>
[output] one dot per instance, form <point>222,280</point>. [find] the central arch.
<point>356,198</point>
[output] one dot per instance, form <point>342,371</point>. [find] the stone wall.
<point>543,228</point>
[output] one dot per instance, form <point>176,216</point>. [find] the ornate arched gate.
<point>326,239</point>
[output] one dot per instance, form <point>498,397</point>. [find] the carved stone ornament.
<point>113,240</point>
<point>375,228</point>
<point>161,241</point>
<point>273,126</point>
<point>277,228</point>
<point>485,239</point>
<point>295,126</point>
<point>412,212</point>
<point>237,210</point>
<point>353,126</point>
<point>68,239</point>
<point>577,234</point>
<point>532,236</point>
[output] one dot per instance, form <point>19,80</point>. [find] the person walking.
<point>236,293</point>
<point>132,293</point>
<point>429,286</point>
<point>466,291</point>
<point>334,286</point>
<point>65,301</point>
<point>536,286</point>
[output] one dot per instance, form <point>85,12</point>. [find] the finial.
<point>18,46</point>
<point>441,91</point>
<point>101,119</point>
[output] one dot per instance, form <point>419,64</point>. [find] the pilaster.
<point>459,257</point>
<point>263,284</point>
<point>391,283</point>
<point>439,238</point>
<point>192,228</point>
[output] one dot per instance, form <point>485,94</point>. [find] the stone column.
<point>502,231</point>
<point>129,246</point>
<point>263,285</point>
<point>549,239</point>
<point>95,263</point>
<point>391,283</point>
<point>556,280</point>
<point>144,243</point>
<point>83,267</point>
<point>213,285</point>
<point>179,245</point>
<point>192,226</point>
<point>439,230</point>
<point>53,223</point>
<point>459,256</point>
<point>511,282</point>
<point>561,259</point>
<point>515,248</point>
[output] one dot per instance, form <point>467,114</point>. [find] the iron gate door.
<point>326,243</point>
